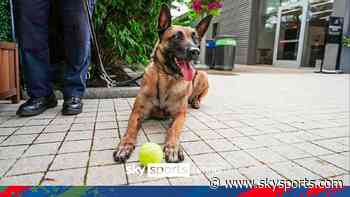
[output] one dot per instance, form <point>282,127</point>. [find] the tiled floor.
<point>251,126</point>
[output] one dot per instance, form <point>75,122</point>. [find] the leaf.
<point>127,29</point>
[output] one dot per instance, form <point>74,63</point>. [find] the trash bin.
<point>209,53</point>
<point>225,51</point>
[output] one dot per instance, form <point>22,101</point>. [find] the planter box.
<point>9,72</point>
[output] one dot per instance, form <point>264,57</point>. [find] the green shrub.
<point>346,41</point>
<point>127,30</point>
<point>187,19</point>
<point>5,21</point>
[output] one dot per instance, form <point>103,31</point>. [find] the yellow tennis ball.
<point>150,153</point>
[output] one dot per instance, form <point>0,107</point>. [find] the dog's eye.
<point>177,36</point>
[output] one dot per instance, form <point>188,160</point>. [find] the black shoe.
<point>72,106</point>
<point>36,106</point>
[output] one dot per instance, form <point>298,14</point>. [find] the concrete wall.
<point>238,18</point>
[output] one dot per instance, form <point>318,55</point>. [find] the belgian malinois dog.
<point>169,83</point>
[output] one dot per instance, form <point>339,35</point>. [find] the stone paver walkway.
<point>251,126</point>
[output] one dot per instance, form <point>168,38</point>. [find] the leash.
<point>12,21</point>
<point>100,67</point>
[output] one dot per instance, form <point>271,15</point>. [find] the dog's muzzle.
<point>192,53</point>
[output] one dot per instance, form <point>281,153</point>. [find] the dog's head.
<point>178,46</point>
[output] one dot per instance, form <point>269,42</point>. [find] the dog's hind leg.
<point>200,89</point>
<point>202,95</point>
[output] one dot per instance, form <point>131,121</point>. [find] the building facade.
<point>279,32</point>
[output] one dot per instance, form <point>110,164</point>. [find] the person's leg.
<point>32,32</point>
<point>32,24</point>
<point>77,46</point>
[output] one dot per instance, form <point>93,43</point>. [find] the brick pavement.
<point>251,126</point>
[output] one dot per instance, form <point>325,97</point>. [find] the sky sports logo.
<point>161,170</point>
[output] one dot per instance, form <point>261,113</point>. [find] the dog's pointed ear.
<point>203,25</point>
<point>164,21</point>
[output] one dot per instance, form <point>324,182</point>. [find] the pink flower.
<point>214,5</point>
<point>197,5</point>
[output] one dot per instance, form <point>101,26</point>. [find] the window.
<point>268,18</point>
<point>215,30</point>
<point>267,28</point>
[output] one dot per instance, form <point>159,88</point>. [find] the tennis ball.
<point>150,153</point>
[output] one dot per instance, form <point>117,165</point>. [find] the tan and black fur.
<point>164,92</point>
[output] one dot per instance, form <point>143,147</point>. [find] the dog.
<point>169,84</point>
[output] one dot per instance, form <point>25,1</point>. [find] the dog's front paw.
<point>123,152</point>
<point>173,153</point>
<point>195,104</point>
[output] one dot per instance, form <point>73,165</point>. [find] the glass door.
<point>314,47</point>
<point>289,40</point>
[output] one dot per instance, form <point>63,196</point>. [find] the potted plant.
<point>206,7</point>
<point>9,64</point>
<point>346,54</point>
<point>346,41</point>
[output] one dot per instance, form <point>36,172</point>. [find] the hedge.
<point>5,21</point>
<point>127,30</point>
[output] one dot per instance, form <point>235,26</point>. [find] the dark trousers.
<point>32,18</point>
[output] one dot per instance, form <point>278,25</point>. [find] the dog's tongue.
<point>186,69</point>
